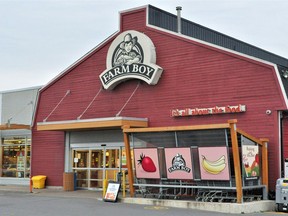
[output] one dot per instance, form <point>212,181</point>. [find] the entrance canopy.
<point>110,122</point>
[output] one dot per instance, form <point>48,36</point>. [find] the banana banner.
<point>214,164</point>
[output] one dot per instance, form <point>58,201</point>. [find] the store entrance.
<point>94,165</point>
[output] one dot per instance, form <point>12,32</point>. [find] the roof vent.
<point>178,9</point>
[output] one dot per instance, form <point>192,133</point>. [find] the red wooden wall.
<point>195,75</point>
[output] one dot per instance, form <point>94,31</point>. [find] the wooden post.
<point>236,160</point>
<point>265,179</point>
<point>129,162</point>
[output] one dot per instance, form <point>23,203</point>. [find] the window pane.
<point>9,161</point>
<point>156,139</point>
<point>27,173</point>
<point>15,157</point>
<point>215,137</point>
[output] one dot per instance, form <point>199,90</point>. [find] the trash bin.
<point>118,177</point>
<point>39,181</point>
<point>68,181</point>
<point>282,194</point>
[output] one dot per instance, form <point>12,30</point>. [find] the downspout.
<point>281,144</point>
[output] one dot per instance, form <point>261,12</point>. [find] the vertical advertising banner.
<point>178,163</point>
<point>214,163</point>
<point>250,161</point>
<point>147,163</point>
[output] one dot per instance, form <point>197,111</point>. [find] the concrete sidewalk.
<point>53,191</point>
<point>234,208</point>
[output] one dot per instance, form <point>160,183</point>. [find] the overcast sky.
<point>41,38</point>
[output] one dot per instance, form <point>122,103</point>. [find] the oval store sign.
<point>131,56</point>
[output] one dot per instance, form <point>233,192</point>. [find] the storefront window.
<point>15,157</point>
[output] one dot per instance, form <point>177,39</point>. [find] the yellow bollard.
<point>105,185</point>
<point>115,175</point>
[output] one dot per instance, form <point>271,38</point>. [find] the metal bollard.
<point>123,184</point>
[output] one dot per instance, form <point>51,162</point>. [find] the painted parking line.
<point>156,207</point>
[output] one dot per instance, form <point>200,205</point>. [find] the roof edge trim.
<point>281,85</point>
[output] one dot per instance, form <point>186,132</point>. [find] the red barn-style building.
<point>148,74</point>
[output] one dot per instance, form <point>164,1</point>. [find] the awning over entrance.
<point>111,122</point>
<point>14,126</point>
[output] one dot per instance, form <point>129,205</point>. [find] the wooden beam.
<point>265,179</point>
<point>236,160</point>
<point>258,141</point>
<point>176,128</point>
<point>14,127</point>
<point>51,126</point>
<point>129,162</point>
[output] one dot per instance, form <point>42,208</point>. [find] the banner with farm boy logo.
<point>178,163</point>
<point>131,56</point>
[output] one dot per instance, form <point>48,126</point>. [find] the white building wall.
<point>18,106</point>
<point>0,108</point>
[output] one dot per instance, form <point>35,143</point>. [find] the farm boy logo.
<point>178,163</point>
<point>130,56</point>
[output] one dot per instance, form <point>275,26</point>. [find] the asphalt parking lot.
<point>57,202</point>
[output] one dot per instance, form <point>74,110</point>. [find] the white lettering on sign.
<point>208,111</point>
<point>131,56</point>
<point>139,70</point>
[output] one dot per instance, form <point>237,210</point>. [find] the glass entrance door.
<point>97,168</point>
<point>80,166</point>
<point>94,165</point>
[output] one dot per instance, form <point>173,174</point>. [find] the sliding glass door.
<point>96,164</point>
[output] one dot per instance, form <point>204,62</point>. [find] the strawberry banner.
<point>146,163</point>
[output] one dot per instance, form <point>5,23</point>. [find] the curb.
<point>234,208</point>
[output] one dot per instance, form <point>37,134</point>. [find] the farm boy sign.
<point>131,56</point>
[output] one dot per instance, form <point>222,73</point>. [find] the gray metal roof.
<point>163,19</point>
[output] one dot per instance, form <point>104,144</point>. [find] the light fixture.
<point>268,112</point>
<point>9,122</point>
<point>285,73</point>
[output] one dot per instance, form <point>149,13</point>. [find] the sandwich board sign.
<point>112,192</point>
